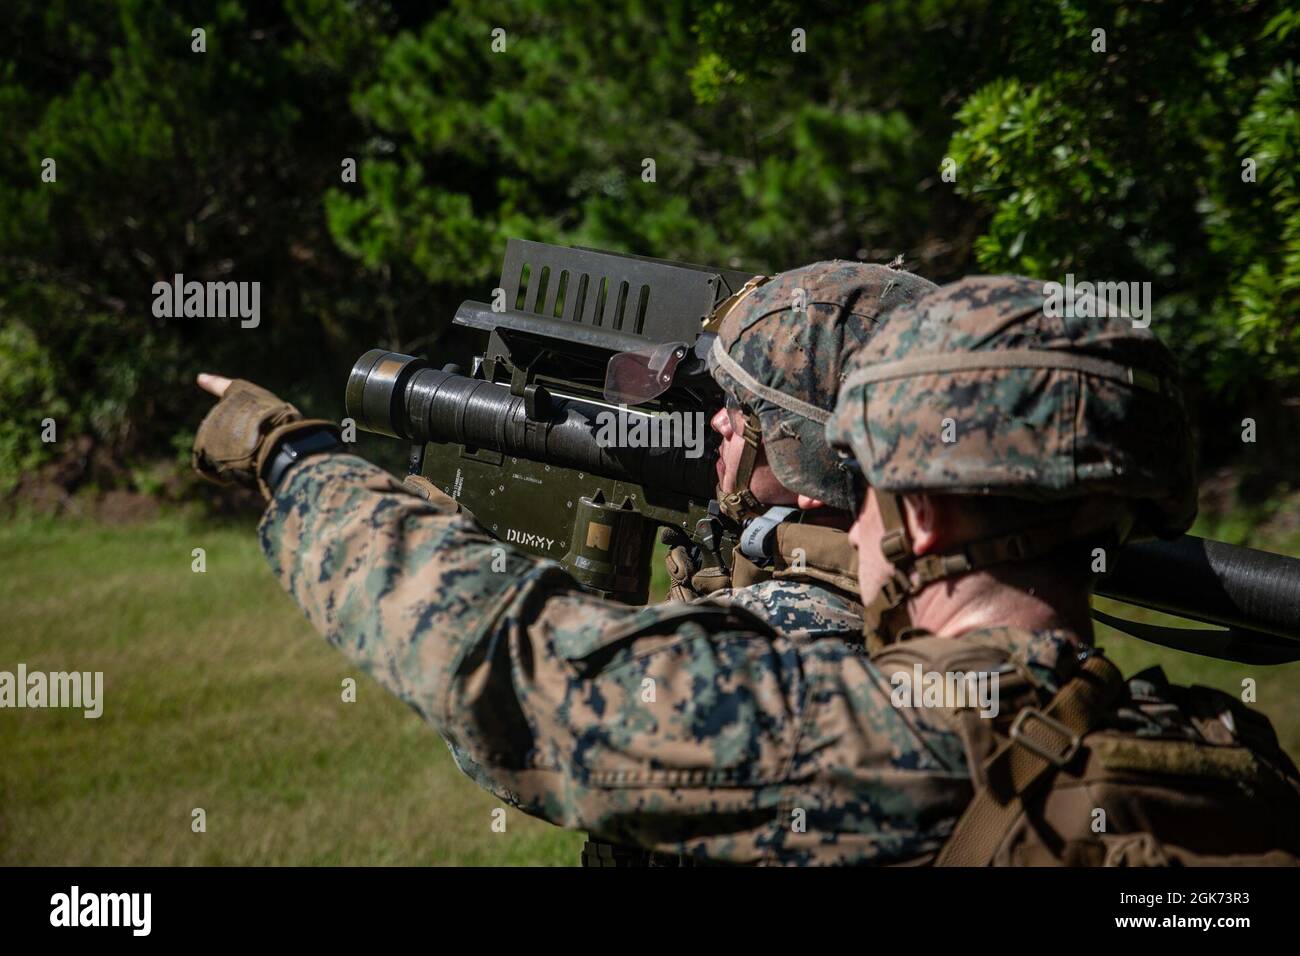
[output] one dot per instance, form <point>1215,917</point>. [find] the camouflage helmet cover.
<point>781,352</point>
<point>1041,406</point>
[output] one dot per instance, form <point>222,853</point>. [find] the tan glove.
<point>237,437</point>
<point>688,580</point>
<point>708,580</point>
<point>680,568</point>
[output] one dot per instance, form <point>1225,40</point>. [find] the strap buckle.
<point>894,589</point>
<point>895,546</point>
<point>740,504</point>
<point>1059,758</point>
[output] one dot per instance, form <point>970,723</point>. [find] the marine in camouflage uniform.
<point>779,353</point>
<point>541,690</point>
<point>779,358</point>
<point>696,728</point>
<point>1077,423</point>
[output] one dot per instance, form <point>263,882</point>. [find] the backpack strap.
<point>1040,743</point>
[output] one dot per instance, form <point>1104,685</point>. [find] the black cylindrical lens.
<point>376,395</point>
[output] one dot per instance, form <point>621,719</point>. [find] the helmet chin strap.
<point>740,505</point>
<point>887,618</point>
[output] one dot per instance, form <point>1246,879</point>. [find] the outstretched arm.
<point>643,724</point>
<point>593,715</point>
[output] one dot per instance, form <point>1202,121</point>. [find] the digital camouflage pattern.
<point>1043,433</point>
<point>540,689</point>
<point>795,334</point>
<point>693,729</point>
<point>707,731</point>
<point>800,609</point>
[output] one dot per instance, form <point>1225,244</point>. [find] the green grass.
<point>219,695</point>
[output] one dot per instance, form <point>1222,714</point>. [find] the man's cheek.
<point>873,572</point>
<point>728,455</point>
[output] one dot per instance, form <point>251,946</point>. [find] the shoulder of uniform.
<point>780,591</point>
<point>592,635</point>
<point>801,610</point>
<point>707,613</point>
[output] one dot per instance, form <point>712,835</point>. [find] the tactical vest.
<point>802,552</point>
<point>1059,781</point>
<point>780,550</point>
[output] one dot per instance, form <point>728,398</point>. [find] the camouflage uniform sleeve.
<point>389,578</point>
<point>594,715</point>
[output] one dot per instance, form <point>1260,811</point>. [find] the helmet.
<point>780,353</point>
<point>974,389</point>
<point>977,388</point>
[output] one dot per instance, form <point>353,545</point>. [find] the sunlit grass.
<point>218,695</point>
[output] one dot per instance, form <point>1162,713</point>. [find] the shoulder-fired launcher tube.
<point>400,396</point>
<point>1210,581</point>
<point>1255,595</point>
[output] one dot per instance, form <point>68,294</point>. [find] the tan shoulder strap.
<point>1041,743</point>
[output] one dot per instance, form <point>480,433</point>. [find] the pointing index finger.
<point>216,384</point>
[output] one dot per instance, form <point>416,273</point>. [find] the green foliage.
<point>1265,293</point>
<point>1128,165</point>
<point>26,386</point>
<point>226,165</point>
<point>169,162</point>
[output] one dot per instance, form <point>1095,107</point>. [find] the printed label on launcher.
<point>528,539</point>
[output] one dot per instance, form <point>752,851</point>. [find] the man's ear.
<point>809,504</point>
<point>928,523</point>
